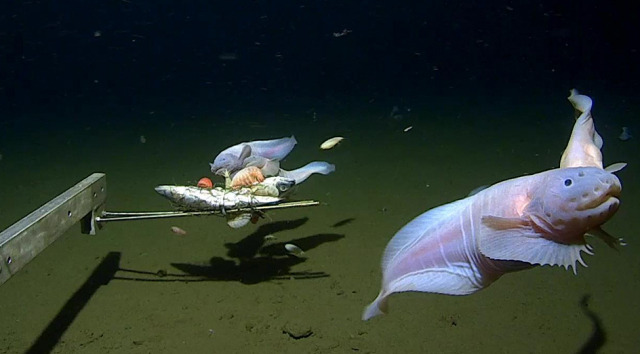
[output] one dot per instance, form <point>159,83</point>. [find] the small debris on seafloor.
<point>143,139</point>
<point>294,250</point>
<point>625,135</point>
<point>178,231</point>
<point>329,143</point>
<point>297,330</point>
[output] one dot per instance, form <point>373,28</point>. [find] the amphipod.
<point>246,177</point>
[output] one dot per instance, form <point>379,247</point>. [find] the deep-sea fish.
<point>541,219</point>
<point>232,159</point>
<point>585,143</point>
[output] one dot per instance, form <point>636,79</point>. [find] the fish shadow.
<point>305,243</point>
<point>598,336</point>
<point>343,222</point>
<point>250,271</point>
<point>249,246</point>
<point>253,259</point>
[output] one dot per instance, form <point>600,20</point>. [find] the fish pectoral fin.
<point>514,239</point>
<point>246,152</point>
<point>613,168</point>
<point>611,241</point>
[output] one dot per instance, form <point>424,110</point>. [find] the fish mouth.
<point>603,211</point>
<point>607,193</point>
<point>599,201</point>
<point>220,172</point>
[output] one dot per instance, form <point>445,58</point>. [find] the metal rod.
<point>128,216</point>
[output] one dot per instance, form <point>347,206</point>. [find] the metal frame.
<point>25,239</point>
<point>84,202</point>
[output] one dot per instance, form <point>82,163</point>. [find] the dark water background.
<point>483,85</point>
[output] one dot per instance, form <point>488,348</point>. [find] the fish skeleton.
<point>541,219</point>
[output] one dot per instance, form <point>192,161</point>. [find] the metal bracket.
<point>25,239</point>
<point>84,203</point>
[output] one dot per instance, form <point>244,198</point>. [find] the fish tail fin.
<point>302,173</point>
<point>379,306</point>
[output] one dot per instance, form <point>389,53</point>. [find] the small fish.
<point>178,231</point>
<point>270,238</point>
<point>294,250</point>
<point>625,135</point>
<point>408,128</point>
<point>331,143</point>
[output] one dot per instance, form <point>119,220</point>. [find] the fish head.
<point>225,163</point>
<point>572,201</point>
<point>276,186</point>
<point>284,184</point>
<point>229,162</point>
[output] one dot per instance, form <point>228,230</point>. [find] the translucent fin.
<point>613,168</point>
<point>452,280</point>
<point>611,241</point>
<point>522,243</point>
<point>302,173</point>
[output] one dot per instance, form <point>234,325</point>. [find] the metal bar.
<point>132,213</point>
<point>108,216</point>
<point>25,239</point>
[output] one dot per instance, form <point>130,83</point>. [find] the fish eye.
<point>568,182</point>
